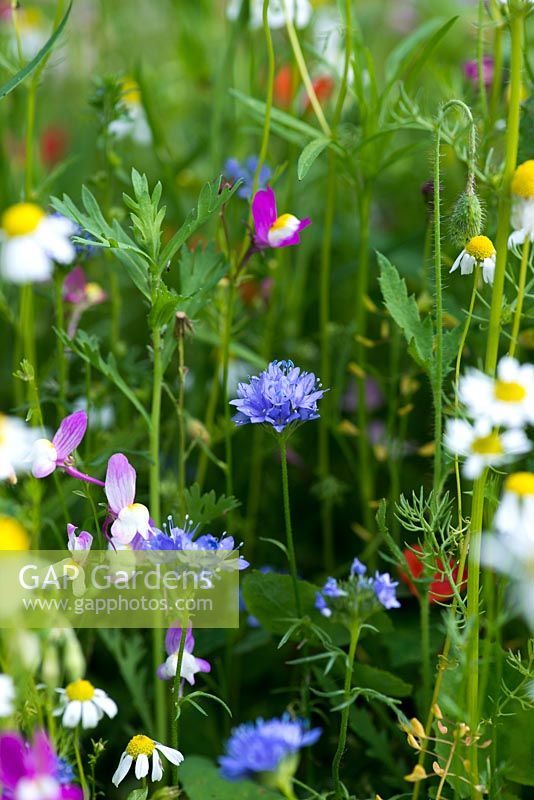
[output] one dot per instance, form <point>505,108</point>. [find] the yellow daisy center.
<point>140,745</point>
<point>509,392</point>
<point>521,483</point>
<point>489,445</point>
<point>480,247</point>
<point>130,92</point>
<point>21,219</point>
<point>523,180</point>
<point>80,690</point>
<point>282,221</point>
<point>93,291</point>
<point>12,535</point>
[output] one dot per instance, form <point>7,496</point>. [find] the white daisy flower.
<point>139,749</point>
<point>16,442</point>
<point>31,240</point>
<point>32,25</point>
<point>7,695</point>
<point>513,556</point>
<point>479,251</point>
<point>329,41</point>
<point>507,400</point>
<point>482,445</point>
<point>81,702</point>
<point>515,515</point>
<point>133,124</point>
<point>522,217</point>
<point>300,12</point>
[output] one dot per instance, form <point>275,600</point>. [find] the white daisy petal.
<point>91,715</point>
<point>73,714</point>
<point>23,260</point>
<point>157,768</point>
<point>174,756</point>
<point>105,703</point>
<point>122,770</point>
<point>141,766</point>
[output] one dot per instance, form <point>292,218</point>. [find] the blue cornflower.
<point>234,170</point>
<point>174,538</point>
<point>384,589</point>
<point>278,396</point>
<point>264,745</point>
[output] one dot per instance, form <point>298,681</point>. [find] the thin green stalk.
<point>177,689</point>
<point>304,74</point>
<point>496,86</point>
<point>503,214</point>
<point>61,356</point>
<point>271,64</point>
<point>437,387</point>
<point>480,60</point>
<point>181,422</point>
<point>473,624</point>
<point>209,419</point>
<point>227,335</point>
<point>520,296</point>
<point>79,762</point>
<point>289,531</point>
<point>30,132</point>
<point>339,789</point>
<point>456,384</point>
<point>424,621</point>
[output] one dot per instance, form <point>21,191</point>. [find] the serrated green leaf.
<point>38,60</point>
<point>200,272</point>
<point>204,508</point>
<point>403,309</point>
<point>310,153</point>
<point>202,781</point>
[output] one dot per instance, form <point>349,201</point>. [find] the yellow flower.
<point>12,535</point>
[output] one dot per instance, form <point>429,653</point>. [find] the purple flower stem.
<point>81,476</point>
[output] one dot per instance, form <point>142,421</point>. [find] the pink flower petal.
<point>120,482</point>
<point>69,434</point>
<point>12,758</point>
<point>264,214</point>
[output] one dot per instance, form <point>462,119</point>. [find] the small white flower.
<point>482,445</point>
<point>81,702</point>
<point>515,515</point>
<point>31,241</point>
<point>478,251</point>
<point>300,12</point>
<point>507,400</point>
<point>7,695</point>
<point>522,217</point>
<point>16,442</point>
<point>133,124</point>
<point>139,749</point>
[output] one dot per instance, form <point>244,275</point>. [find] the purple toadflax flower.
<point>190,664</point>
<point>272,230</point>
<point>267,748</point>
<point>357,598</point>
<point>48,455</point>
<point>488,70</point>
<point>129,518</point>
<point>30,772</point>
<point>280,395</point>
<point>81,294</point>
<point>234,170</point>
<point>78,542</point>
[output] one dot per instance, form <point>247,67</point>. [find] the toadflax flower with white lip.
<point>31,241</point>
<point>139,749</point>
<point>272,229</point>
<point>522,217</point>
<point>483,445</point>
<point>478,252</point>
<point>507,400</point>
<point>190,664</point>
<point>47,456</point>
<point>129,518</point>
<point>7,695</point>
<point>81,703</point>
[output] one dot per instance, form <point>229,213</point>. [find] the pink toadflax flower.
<point>190,664</point>
<point>31,772</point>
<point>272,230</point>
<point>81,294</point>
<point>82,541</point>
<point>130,518</point>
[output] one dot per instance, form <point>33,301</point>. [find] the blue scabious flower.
<point>358,597</point>
<point>279,396</point>
<point>173,537</point>
<point>234,170</point>
<point>264,745</point>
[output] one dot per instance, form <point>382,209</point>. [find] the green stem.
<point>177,689</point>
<point>339,789</point>
<point>289,531</point>
<point>520,296</point>
<point>79,762</point>
<point>181,423</point>
<point>155,419</point>
<point>503,214</point>
<point>30,132</point>
<point>424,617</point>
<point>61,357</point>
<point>437,387</point>
<point>456,384</point>
<point>271,64</point>
<point>480,60</point>
<point>473,623</point>
<point>211,408</point>
<point>496,86</point>
<point>227,335</point>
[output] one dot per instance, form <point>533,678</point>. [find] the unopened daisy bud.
<point>466,219</point>
<point>74,658</point>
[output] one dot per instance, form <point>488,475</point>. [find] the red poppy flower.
<point>440,589</point>
<point>54,144</point>
<point>284,87</point>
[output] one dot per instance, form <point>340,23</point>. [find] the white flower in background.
<point>33,30</point>
<point>31,240</point>
<point>16,442</point>
<point>139,749</point>
<point>300,12</point>
<point>100,417</point>
<point>81,702</point>
<point>479,251</point>
<point>522,217</point>
<point>507,400</point>
<point>329,39</point>
<point>482,445</point>
<point>515,515</point>
<point>7,695</point>
<point>133,124</point>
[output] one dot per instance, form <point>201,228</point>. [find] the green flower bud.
<point>466,219</point>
